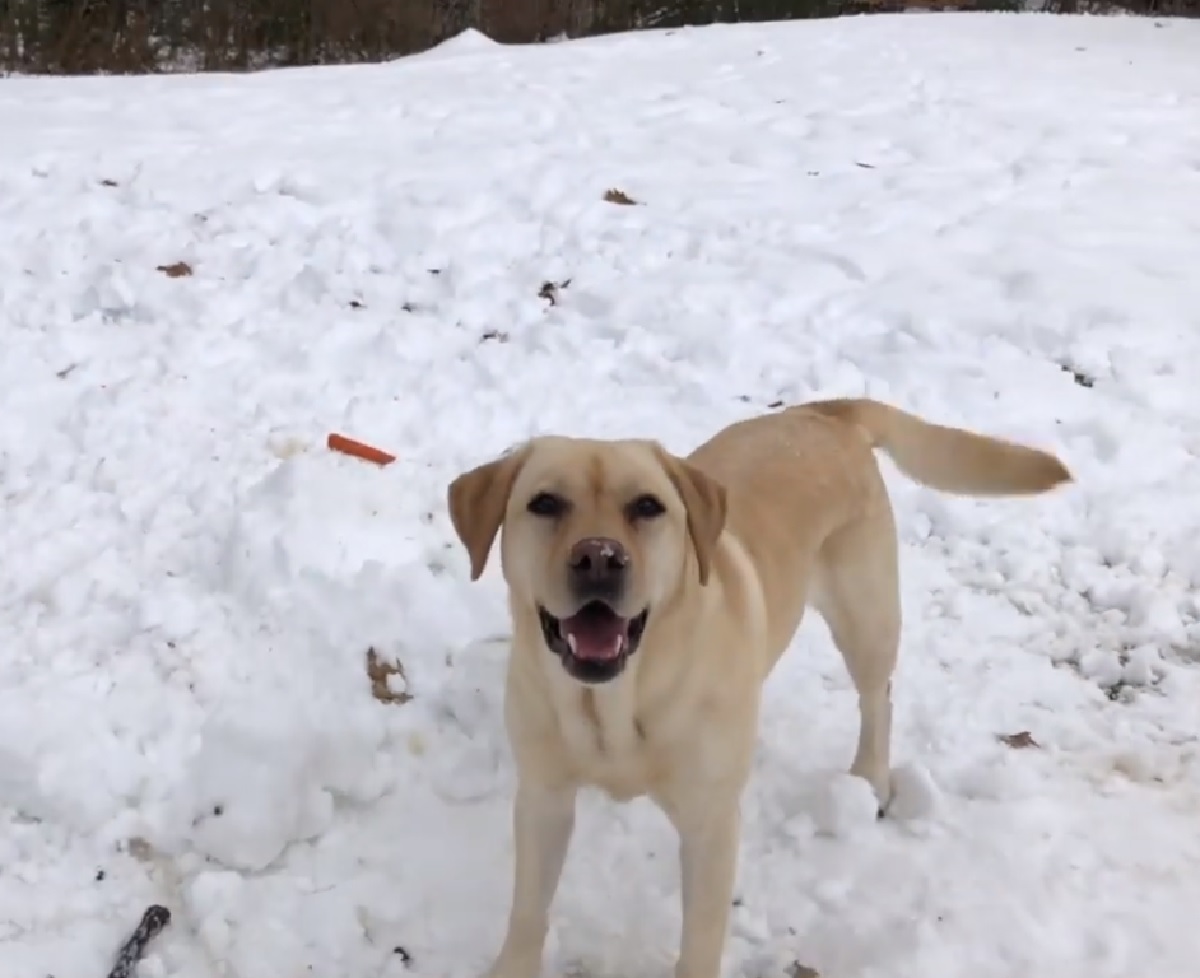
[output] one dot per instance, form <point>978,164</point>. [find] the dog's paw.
<point>523,963</point>
<point>510,970</point>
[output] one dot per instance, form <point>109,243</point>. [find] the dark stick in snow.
<point>133,950</point>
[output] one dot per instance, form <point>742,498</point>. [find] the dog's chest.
<point>609,747</point>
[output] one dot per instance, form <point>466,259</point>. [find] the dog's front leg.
<point>708,849</point>
<point>543,820</point>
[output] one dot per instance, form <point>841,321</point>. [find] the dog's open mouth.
<point>594,643</point>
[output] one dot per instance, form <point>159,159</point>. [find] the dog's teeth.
<point>571,642</point>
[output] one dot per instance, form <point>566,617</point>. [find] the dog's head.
<point>597,535</point>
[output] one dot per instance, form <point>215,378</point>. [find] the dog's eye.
<point>547,504</point>
<point>646,507</point>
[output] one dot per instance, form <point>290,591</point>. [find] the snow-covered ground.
<point>993,220</point>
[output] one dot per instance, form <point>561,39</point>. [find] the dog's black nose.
<point>598,564</point>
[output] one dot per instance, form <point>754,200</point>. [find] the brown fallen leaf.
<point>178,269</point>
<point>615,196</point>
<point>140,849</point>
<point>379,672</point>
<point>798,970</point>
<point>1018,741</point>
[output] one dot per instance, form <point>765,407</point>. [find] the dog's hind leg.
<point>857,593</point>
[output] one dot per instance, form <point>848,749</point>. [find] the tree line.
<point>138,36</point>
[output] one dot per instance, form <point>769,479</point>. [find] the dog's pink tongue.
<point>593,637</point>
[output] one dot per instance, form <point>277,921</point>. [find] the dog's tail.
<point>949,459</point>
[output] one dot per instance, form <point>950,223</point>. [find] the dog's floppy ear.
<point>477,500</point>
<point>704,500</point>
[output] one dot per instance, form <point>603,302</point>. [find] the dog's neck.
<point>649,686</point>
<point>611,712</point>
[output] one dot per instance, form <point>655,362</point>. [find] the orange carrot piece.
<point>358,449</point>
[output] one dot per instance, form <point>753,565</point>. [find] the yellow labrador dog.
<point>651,595</point>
